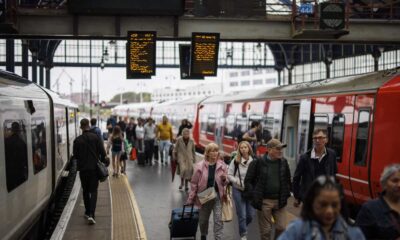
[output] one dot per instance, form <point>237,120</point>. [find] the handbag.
<point>133,154</point>
<point>207,195</point>
<point>102,171</point>
<point>227,207</point>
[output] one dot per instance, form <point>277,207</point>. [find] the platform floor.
<point>157,195</point>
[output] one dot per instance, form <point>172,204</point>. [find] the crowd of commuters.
<point>260,184</point>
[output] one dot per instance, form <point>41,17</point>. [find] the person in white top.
<point>139,130</point>
<point>149,138</point>
<point>236,175</point>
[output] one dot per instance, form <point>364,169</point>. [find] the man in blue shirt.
<point>95,129</point>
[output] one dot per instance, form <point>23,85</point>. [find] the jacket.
<point>198,183</point>
<point>185,155</point>
<point>88,149</point>
<point>242,169</point>
<point>310,230</point>
<point>305,171</point>
<point>255,181</point>
<point>376,221</point>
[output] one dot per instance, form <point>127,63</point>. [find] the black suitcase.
<point>184,225</point>
<point>141,157</point>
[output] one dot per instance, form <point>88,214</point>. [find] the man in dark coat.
<point>320,160</point>
<point>269,181</point>
<point>88,149</point>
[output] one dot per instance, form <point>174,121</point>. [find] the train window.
<point>39,146</point>
<point>204,123</point>
<point>321,121</point>
<point>268,128</point>
<point>16,153</point>
<point>240,126</point>
<point>211,122</point>
<point>229,130</point>
<point>253,118</point>
<point>362,137</point>
<point>337,136</point>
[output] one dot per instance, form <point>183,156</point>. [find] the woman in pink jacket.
<point>209,174</point>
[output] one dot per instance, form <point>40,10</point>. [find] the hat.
<point>275,143</point>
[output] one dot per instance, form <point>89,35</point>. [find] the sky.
<point>113,80</point>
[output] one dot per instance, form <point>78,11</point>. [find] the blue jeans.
<point>163,147</point>
<point>244,211</point>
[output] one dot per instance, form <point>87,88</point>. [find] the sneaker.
<point>86,216</point>
<point>91,221</point>
<point>243,238</point>
<point>203,237</point>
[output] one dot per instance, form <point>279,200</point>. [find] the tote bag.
<point>227,207</point>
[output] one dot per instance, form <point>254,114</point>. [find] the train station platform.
<point>138,206</point>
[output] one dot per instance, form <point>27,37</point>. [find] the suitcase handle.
<point>191,211</point>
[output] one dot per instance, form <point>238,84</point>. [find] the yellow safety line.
<point>136,212</point>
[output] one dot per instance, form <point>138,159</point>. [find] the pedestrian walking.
<point>269,181</point>
<point>236,174</point>
<point>208,189</point>
<point>323,216</point>
<point>88,149</point>
<point>164,136</point>
<point>184,124</point>
<point>149,139</point>
<point>116,143</point>
<point>380,218</point>
<point>318,161</point>
<point>185,156</point>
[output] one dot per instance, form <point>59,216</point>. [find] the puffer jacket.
<point>198,183</point>
<point>256,177</point>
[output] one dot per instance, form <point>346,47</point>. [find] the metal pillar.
<point>41,74</point>
<point>90,83</point>
<point>328,68</point>
<point>10,61</point>
<point>290,75</point>
<point>25,65</point>
<point>34,67</point>
<point>48,77</point>
<point>279,76</point>
<point>376,54</point>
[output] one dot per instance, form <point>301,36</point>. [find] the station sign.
<point>185,62</point>
<point>306,9</point>
<point>204,54</point>
<point>140,55</point>
<point>332,16</point>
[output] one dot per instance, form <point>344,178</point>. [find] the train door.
<point>290,132</point>
<point>360,154</point>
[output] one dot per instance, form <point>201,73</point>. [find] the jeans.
<point>163,146</point>
<point>149,149</point>
<point>90,183</point>
<point>244,211</point>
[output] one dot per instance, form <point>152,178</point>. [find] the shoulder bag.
<point>227,206</point>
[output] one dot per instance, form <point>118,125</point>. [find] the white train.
<point>36,135</point>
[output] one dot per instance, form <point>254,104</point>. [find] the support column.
<point>34,67</point>
<point>279,76</point>
<point>48,77</point>
<point>289,67</point>
<point>10,60</point>
<point>41,74</point>
<point>25,60</point>
<point>328,63</point>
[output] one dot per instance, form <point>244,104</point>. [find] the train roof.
<point>360,83</point>
<point>58,100</point>
<point>14,86</point>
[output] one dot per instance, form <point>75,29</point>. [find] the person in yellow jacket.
<point>164,136</point>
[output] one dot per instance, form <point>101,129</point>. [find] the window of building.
<point>270,80</point>
<point>258,82</point>
<point>233,84</point>
<point>39,148</point>
<point>257,71</point>
<point>233,74</point>
<point>337,136</point>
<point>16,153</point>
<point>245,73</point>
<point>245,83</point>
<point>362,137</point>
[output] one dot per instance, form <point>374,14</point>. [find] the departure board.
<point>141,55</point>
<point>184,63</point>
<point>204,54</point>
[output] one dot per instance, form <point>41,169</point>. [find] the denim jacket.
<point>311,230</point>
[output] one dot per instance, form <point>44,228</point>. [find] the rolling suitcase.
<point>184,222</point>
<point>141,156</point>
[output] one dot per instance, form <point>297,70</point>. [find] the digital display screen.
<point>141,55</point>
<point>204,54</point>
<point>184,62</point>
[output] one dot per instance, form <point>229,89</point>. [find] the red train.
<point>361,114</point>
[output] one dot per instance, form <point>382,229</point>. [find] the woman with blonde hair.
<point>116,143</point>
<point>208,189</point>
<point>236,174</point>
<point>185,155</point>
